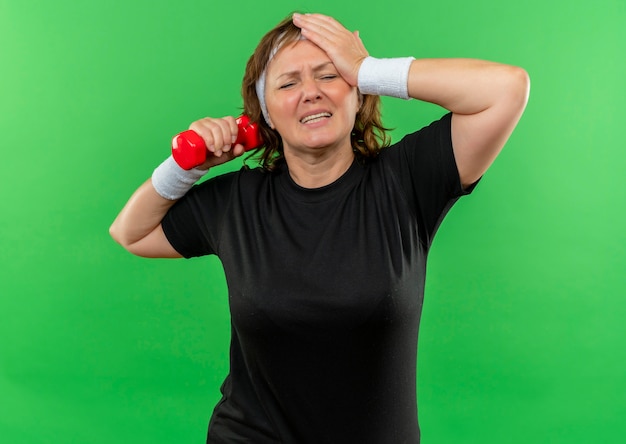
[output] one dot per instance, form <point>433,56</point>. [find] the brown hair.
<point>368,135</point>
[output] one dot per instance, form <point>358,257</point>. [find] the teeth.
<point>315,117</point>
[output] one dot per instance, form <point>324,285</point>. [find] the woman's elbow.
<point>152,245</point>
<point>118,235</point>
<point>519,86</point>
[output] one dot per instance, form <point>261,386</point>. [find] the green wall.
<point>523,330</point>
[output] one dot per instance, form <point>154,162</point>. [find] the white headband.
<point>260,83</point>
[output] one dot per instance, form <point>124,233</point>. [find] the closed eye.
<point>291,83</point>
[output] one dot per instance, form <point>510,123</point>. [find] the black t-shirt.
<point>325,289</point>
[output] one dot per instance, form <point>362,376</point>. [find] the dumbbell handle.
<point>190,151</point>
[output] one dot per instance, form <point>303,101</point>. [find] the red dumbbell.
<point>190,151</point>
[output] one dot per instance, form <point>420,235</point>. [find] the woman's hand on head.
<point>219,135</point>
<point>345,48</point>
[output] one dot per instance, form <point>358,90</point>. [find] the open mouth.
<point>315,118</point>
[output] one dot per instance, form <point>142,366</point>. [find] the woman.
<point>324,246</point>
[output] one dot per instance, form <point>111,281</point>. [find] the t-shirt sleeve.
<point>193,223</point>
<point>428,174</point>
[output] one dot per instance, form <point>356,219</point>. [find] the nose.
<point>310,90</point>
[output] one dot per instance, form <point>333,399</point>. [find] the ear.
<point>270,123</point>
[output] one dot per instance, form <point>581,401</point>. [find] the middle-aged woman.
<point>324,245</point>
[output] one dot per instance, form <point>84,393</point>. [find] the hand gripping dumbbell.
<point>190,151</point>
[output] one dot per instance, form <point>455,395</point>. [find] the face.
<point>309,103</point>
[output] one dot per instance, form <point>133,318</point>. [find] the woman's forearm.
<point>467,86</point>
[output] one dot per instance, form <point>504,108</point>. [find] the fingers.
<point>318,23</point>
<point>345,48</point>
<point>218,134</point>
<point>320,29</point>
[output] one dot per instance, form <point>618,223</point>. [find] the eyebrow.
<point>316,68</point>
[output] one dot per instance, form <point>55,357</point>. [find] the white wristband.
<point>385,77</point>
<point>172,182</point>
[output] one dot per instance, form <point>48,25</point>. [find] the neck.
<point>315,170</point>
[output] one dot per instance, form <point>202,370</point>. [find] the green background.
<point>523,331</point>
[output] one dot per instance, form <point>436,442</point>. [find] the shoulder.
<point>437,133</point>
<point>245,185</point>
<point>229,179</point>
<point>425,159</point>
<point>431,143</point>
